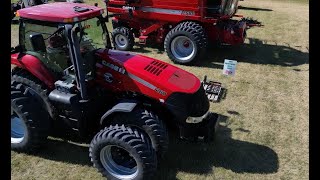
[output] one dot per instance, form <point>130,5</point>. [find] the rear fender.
<point>34,66</point>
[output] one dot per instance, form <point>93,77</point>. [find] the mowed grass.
<point>264,132</point>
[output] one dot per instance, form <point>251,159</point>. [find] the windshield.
<point>92,35</point>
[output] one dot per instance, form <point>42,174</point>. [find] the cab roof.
<point>60,12</point>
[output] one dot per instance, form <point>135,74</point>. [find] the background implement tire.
<point>123,39</point>
<point>186,43</point>
<point>121,152</point>
<point>149,123</point>
<point>29,121</point>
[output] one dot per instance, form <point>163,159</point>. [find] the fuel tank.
<point>123,71</point>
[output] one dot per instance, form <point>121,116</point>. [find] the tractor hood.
<point>178,90</point>
<point>153,74</point>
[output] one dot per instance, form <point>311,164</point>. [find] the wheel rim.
<point>118,162</point>
<point>182,48</point>
<point>18,129</point>
<point>121,40</point>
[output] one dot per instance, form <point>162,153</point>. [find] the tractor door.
<point>47,44</point>
<point>91,37</point>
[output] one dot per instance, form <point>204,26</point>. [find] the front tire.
<point>121,152</point>
<point>149,123</point>
<point>186,43</point>
<point>123,38</point>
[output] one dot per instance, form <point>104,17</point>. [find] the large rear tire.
<point>121,152</point>
<point>123,38</point>
<point>150,123</point>
<point>29,121</point>
<point>40,91</point>
<point>186,43</point>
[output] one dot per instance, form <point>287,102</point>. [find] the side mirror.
<point>37,42</point>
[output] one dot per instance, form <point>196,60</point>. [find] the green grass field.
<point>264,133</point>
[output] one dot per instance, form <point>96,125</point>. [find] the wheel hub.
<point>182,48</point>
<point>186,44</point>
<point>118,162</point>
<point>18,128</point>
<point>121,41</point>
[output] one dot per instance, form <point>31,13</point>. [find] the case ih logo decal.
<point>128,8</point>
<point>114,67</point>
<point>108,77</point>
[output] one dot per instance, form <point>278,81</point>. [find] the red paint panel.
<point>136,66</point>
<point>183,80</point>
<point>154,16</point>
<point>170,4</point>
<point>213,32</point>
<point>237,37</point>
<point>167,4</point>
<point>58,12</point>
<point>35,67</point>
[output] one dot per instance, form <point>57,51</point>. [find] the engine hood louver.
<point>156,67</point>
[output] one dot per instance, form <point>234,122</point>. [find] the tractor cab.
<point>61,35</point>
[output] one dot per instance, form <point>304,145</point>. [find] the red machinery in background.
<point>185,27</point>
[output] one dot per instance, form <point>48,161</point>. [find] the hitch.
<point>252,22</point>
<point>143,40</point>
<point>214,90</point>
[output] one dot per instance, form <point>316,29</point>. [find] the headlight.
<point>197,119</point>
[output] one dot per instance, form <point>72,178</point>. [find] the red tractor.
<point>68,80</point>
<point>185,27</point>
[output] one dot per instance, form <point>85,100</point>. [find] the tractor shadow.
<point>64,151</point>
<point>183,156</point>
<point>225,152</point>
<point>255,52</point>
<point>155,48</point>
<point>253,8</point>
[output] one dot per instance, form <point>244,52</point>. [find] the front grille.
<point>185,105</point>
<point>155,67</point>
<point>199,103</point>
